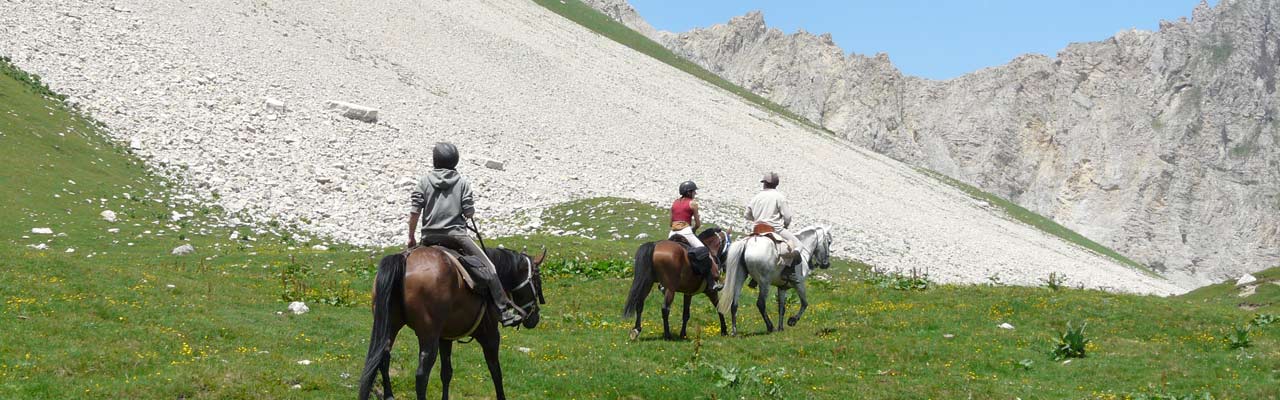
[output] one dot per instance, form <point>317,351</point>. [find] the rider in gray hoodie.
<point>445,196</point>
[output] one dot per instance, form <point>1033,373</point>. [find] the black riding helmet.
<point>444,155</point>
<point>687,187</point>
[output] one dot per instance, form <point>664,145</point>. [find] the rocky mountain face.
<point>1161,145</point>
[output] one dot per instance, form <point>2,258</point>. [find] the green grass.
<point>111,326</point>
<point>1265,299</point>
<point>1037,221</point>
<point>576,11</point>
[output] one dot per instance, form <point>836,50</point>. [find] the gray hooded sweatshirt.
<point>452,193</point>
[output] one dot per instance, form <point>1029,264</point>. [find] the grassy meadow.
<point>118,316</point>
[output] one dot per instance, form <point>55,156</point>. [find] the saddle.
<point>469,268</point>
<point>700,258</point>
<point>765,230</point>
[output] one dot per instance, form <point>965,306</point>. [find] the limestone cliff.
<point>1162,145</point>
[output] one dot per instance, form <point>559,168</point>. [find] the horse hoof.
<point>792,321</point>
<point>635,334</point>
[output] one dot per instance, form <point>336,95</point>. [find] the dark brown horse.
<point>426,292</point>
<point>670,262</point>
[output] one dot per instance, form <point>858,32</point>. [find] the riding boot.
<point>506,310</point>
<point>713,278</point>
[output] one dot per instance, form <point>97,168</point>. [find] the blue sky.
<point>933,39</point>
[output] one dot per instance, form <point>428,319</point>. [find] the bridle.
<point>532,284</point>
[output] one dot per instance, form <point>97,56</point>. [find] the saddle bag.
<point>480,276</point>
<point>700,258</point>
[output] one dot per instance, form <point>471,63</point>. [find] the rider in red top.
<point>684,222</point>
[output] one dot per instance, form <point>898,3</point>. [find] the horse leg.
<point>684,323</point>
<point>446,367</point>
<point>385,366</point>
<point>669,296</point>
<point>723,331</point>
<point>635,332</point>
<point>427,348</point>
<point>489,343</point>
<point>760,305</point>
<point>782,307</point>
<point>804,303</point>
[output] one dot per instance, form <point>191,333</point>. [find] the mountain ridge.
<point>1153,143</point>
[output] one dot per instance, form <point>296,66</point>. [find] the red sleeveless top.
<point>681,211</point>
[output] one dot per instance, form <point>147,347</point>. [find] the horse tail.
<point>389,284</point>
<point>734,275</point>
<point>642,283</point>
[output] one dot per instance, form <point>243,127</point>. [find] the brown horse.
<point>670,262</point>
<point>424,291</point>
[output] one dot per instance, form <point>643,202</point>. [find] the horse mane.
<point>507,262</point>
<point>808,229</point>
<point>709,233</point>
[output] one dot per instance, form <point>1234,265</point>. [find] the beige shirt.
<point>769,207</point>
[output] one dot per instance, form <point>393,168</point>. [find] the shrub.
<point>1261,320</point>
<point>1071,344</point>
<point>899,281</point>
<point>1238,338</point>
<point>1055,282</point>
<point>762,381</point>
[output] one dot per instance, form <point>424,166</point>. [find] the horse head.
<point>716,239</point>
<point>822,248</point>
<point>529,294</point>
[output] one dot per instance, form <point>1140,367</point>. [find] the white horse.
<point>762,258</point>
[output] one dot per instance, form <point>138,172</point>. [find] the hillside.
<point>1161,145</point>
<point>555,111</point>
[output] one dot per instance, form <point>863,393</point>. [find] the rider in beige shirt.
<point>770,207</point>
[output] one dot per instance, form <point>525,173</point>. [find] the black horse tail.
<point>642,283</point>
<point>389,285</point>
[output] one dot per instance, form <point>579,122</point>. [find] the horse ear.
<point>541,257</point>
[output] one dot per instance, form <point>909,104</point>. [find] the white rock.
<point>170,286</point>
<point>304,362</point>
<point>406,182</point>
<point>1246,279</point>
<point>113,230</point>
<point>298,307</point>
<point>108,215</point>
<point>642,236</point>
<point>183,250</point>
<point>353,111</point>
<point>1006,326</point>
<point>42,231</point>
<point>320,247</point>
<point>135,144</point>
<point>273,104</point>
<point>296,386</point>
<point>38,246</point>
<point>324,180</point>
<point>493,164</point>
<point>525,350</point>
<point>70,250</point>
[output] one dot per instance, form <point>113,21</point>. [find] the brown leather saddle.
<point>765,230</point>
<point>761,229</point>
